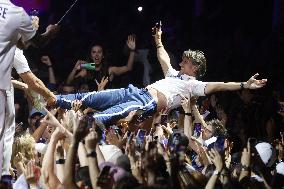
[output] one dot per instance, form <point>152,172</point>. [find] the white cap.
<point>280,168</point>
<point>110,152</point>
<point>266,152</point>
<point>41,147</point>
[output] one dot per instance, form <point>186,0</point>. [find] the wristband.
<point>60,161</point>
<point>159,46</point>
<point>216,172</point>
<point>245,168</point>
<point>92,154</point>
<point>132,50</point>
<point>49,66</point>
<point>188,114</point>
<point>242,85</point>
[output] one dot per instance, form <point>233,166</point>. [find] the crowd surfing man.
<point>115,104</point>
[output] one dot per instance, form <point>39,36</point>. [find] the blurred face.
<point>68,89</point>
<point>97,54</point>
<point>187,67</point>
<point>47,132</point>
<point>33,120</point>
<point>207,132</point>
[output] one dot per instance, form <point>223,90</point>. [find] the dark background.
<point>239,37</point>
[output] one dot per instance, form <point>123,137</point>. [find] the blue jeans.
<point>112,104</point>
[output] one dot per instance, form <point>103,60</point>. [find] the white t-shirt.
<point>174,84</point>
<point>20,62</point>
<point>15,23</point>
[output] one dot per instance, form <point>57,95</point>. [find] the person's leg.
<point>138,100</point>
<point>97,100</point>
<point>9,132</point>
<point>2,124</point>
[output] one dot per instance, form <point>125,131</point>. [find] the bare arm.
<point>72,74</point>
<point>162,54</point>
<point>51,75</point>
<point>252,83</point>
<point>91,146</point>
<point>128,67</point>
<point>48,160</point>
<point>36,85</point>
<point>19,85</point>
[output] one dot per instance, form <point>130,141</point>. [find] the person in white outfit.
<point>15,25</point>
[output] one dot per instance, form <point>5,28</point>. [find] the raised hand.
<point>82,130</point>
<point>102,84</point>
<point>131,42</point>
<point>157,32</point>
<point>246,155</point>
<point>91,141</point>
<point>76,105</point>
<point>185,103</point>
<point>30,174</point>
<point>217,160</point>
<point>46,60</point>
<point>253,83</point>
<point>35,22</point>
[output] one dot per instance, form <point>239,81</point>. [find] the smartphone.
<point>103,176</point>
<point>252,142</point>
<point>140,137</point>
<point>197,130</point>
<point>158,24</point>
<point>175,141</point>
<point>164,119</point>
<point>219,145</point>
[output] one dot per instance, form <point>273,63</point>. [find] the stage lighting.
<point>140,9</point>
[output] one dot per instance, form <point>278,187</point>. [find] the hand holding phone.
<point>164,119</point>
<point>103,177</point>
<point>140,137</point>
<point>157,28</point>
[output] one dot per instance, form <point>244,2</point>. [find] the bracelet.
<point>242,85</point>
<point>49,66</point>
<point>216,172</point>
<point>60,161</point>
<point>132,50</point>
<point>92,154</point>
<point>188,114</point>
<point>245,168</point>
<point>159,46</point>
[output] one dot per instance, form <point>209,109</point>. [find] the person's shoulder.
<point>172,72</point>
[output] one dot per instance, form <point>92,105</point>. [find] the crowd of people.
<point>85,132</point>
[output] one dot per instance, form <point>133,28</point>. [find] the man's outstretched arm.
<point>252,83</point>
<point>162,54</point>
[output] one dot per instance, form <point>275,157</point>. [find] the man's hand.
<point>246,155</point>
<point>35,22</point>
<point>253,83</point>
<point>131,42</point>
<point>157,33</point>
<point>52,30</point>
<point>46,60</point>
<point>91,141</point>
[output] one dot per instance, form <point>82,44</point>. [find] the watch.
<point>92,154</point>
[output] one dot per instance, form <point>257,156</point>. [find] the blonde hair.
<point>25,144</point>
<point>197,57</point>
